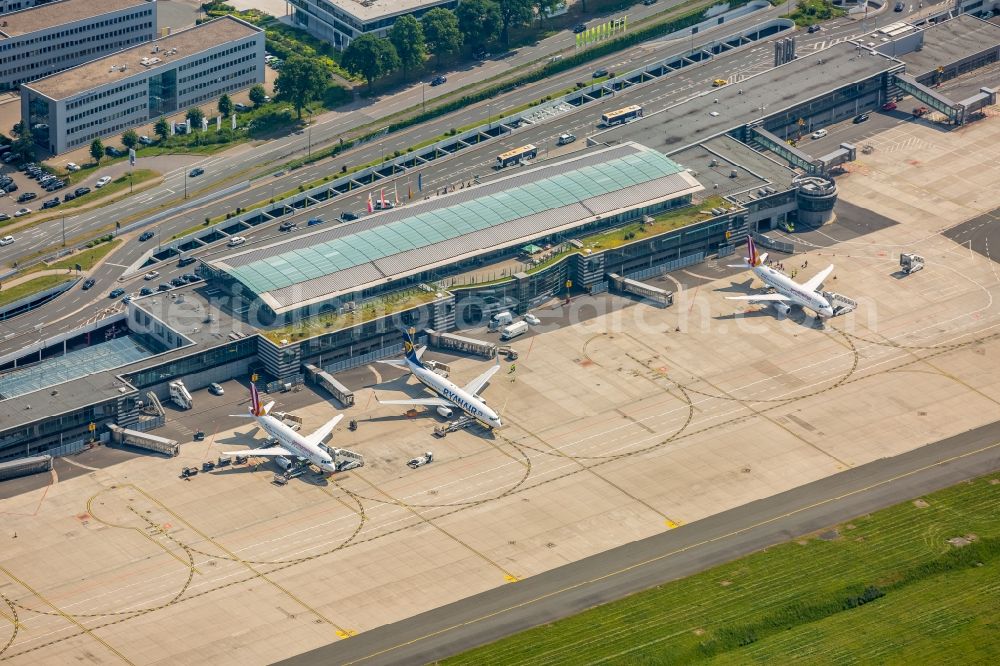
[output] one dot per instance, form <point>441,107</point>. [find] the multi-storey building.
<point>132,87</point>
<point>42,40</point>
<point>340,21</point>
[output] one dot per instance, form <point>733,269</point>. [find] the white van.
<point>565,139</point>
<point>501,319</point>
<point>511,331</point>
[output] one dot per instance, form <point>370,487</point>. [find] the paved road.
<point>461,167</point>
<point>616,573</point>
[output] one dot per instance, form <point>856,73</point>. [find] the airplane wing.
<point>477,384</point>
<point>318,436</point>
<point>759,297</point>
<point>426,402</point>
<point>397,362</point>
<point>265,451</point>
<point>815,281</point>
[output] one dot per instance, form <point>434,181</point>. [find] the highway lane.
<point>247,161</point>
<point>458,168</point>
<point>678,553</point>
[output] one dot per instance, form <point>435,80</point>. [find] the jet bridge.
<point>930,97</point>
<point>786,151</point>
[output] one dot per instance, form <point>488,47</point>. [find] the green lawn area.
<point>327,323</point>
<point>17,292</point>
<point>884,588</point>
<point>117,185</point>
<point>87,258</point>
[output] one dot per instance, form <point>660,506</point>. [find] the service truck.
<point>511,331</point>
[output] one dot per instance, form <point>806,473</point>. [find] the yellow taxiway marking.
<point>341,631</point>
<point>671,553</point>
<point>508,576</point>
<point>64,615</point>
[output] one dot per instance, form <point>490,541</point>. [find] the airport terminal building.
<point>38,41</point>
<point>139,84</point>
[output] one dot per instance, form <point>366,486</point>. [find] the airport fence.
<point>364,359</point>
<point>726,250</point>
<point>660,269</point>
<point>771,244</point>
<point>68,448</point>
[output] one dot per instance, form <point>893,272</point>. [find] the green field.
<point>885,588</point>
<point>17,292</point>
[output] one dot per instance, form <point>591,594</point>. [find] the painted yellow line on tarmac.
<point>677,551</point>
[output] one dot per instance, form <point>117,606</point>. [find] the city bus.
<point>516,155</point>
<point>628,114</point>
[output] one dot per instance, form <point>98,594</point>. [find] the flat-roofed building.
<point>340,21</point>
<point>137,85</point>
<point>7,6</point>
<point>42,40</point>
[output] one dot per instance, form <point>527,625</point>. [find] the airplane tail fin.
<point>410,348</point>
<point>753,258</point>
<point>256,409</point>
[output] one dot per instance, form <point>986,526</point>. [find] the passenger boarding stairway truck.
<point>180,395</point>
<point>910,263</point>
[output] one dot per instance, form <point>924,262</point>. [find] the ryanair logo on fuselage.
<point>461,402</point>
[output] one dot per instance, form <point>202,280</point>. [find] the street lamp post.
<point>381,147</point>
<point>64,230</point>
<point>310,137</point>
<point>423,97</point>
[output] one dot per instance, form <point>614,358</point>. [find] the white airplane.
<point>789,292</point>
<point>450,396</point>
<point>290,443</point>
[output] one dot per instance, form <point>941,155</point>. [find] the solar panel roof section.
<point>419,235</point>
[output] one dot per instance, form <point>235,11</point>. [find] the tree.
<point>513,14</point>
<point>23,144</point>
<point>545,9</point>
<point>195,116</point>
<point>130,139</point>
<point>258,95</point>
<point>161,128</point>
<point>300,81</point>
<point>371,57</point>
<point>441,32</point>
<point>226,106</point>
<point>96,150</point>
<point>407,36</point>
<point>479,22</point>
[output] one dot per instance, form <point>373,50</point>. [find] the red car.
<point>889,106</point>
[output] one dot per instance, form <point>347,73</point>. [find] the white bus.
<point>628,114</point>
<point>515,156</point>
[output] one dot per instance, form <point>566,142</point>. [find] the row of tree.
<point>439,33</point>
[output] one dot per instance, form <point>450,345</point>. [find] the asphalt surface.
<point>691,548</point>
<point>77,305</point>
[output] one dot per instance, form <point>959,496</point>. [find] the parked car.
<point>80,191</point>
<point>117,293</point>
<point>127,298</point>
<point>813,28</point>
<point>11,187</point>
<point>73,166</point>
<point>347,216</point>
<point>151,275</point>
<point>163,287</point>
<point>88,283</point>
<point>26,196</point>
<point>177,282</point>
<point>889,106</point>
<point>482,55</point>
<point>145,291</point>
<point>145,236</point>
<point>197,171</point>
<point>51,203</point>
<point>819,134</point>
<point>565,139</point>
<point>899,7</point>
<point>236,240</point>
<point>191,277</point>
<point>438,80</point>
<point>185,261</point>
<point>216,389</point>
<point>69,196</point>
<point>532,319</point>
<point>580,27</point>
<point>104,180</point>
<point>598,73</point>
<point>21,212</point>
<point>4,217</point>
<point>6,240</point>
<point>860,118</point>
<point>287,226</point>
<point>649,2</point>
<point>113,152</point>
<point>145,140</point>
<point>239,106</point>
<point>313,221</point>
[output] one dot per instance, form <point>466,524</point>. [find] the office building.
<point>340,21</point>
<point>132,87</point>
<point>42,40</point>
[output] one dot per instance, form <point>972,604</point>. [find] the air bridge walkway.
<point>958,112</point>
<point>811,165</point>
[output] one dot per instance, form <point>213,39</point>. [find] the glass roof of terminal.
<point>425,229</point>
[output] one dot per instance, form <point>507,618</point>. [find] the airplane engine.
<point>445,412</point>
<point>782,308</point>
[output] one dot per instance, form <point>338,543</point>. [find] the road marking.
<point>671,553</point>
